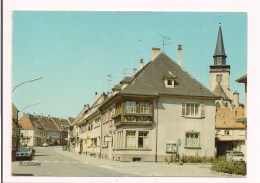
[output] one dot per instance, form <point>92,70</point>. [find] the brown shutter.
<point>202,108</point>
<point>183,111</point>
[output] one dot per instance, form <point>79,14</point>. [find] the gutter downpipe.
<point>156,128</point>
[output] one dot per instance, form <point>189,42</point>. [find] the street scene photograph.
<point>129,94</point>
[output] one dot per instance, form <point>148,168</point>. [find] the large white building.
<point>159,111</point>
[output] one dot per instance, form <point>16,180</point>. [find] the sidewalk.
<point>149,168</point>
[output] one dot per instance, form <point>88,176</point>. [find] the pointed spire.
<point>220,50</point>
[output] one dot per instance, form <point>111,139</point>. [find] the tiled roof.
<point>219,91</point>
<point>242,79</point>
<point>81,114</point>
<point>25,122</point>
<point>29,121</point>
<point>61,123</point>
<point>127,79</point>
<point>150,80</point>
<point>226,117</point>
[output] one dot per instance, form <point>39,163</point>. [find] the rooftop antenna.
<point>109,80</point>
<point>220,20</point>
<point>164,39</point>
<point>125,73</point>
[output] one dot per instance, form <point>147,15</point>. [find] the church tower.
<point>220,73</point>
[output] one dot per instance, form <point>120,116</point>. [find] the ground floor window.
<point>130,139</point>
<point>192,139</point>
<point>143,140</point>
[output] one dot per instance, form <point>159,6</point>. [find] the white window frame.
<point>167,84</point>
<point>133,140</point>
<point>130,106</point>
<point>147,137</point>
<point>144,107</point>
<point>192,141</point>
<point>192,111</point>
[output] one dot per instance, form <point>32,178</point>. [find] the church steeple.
<point>220,71</point>
<point>220,54</point>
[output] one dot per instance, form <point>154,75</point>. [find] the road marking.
<point>65,161</point>
<point>45,161</point>
<point>55,161</point>
<point>74,162</point>
<point>106,166</point>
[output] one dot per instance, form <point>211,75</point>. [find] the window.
<point>193,110</point>
<point>130,107</point>
<point>143,140</point>
<point>130,139</point>
<point>227,132</point>
<point>219,78</point>
<point>169,82</point>
<point>192,139</point>
<point>144,107</point>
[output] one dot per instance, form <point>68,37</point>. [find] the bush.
<point>231,167</point>
<point>197,159</point>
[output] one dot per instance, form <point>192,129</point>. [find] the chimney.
<point>41,115</point>
<point>48,116</point>
<point>236,99</point>
<point>180,55</point>
<point>155,52</point>
<point>141,63</point>
<point>134,71</point>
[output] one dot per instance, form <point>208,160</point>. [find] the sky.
<point>74,52</point>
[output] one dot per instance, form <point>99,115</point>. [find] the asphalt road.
<point>47,162</point>
<point>52,161</point>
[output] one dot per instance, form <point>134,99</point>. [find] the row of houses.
<point>162,110</point>
<point>38,129</point>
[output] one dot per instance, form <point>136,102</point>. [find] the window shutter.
<point>202,108</point>
<point>183,109</point>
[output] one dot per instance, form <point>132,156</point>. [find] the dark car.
<point>24,152</point>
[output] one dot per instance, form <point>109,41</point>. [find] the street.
<point>52,161</point>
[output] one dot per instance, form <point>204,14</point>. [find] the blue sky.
<point>75,51</point>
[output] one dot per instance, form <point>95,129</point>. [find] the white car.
<point>235,156</point>
<point>45,145</point>
<point>24,152</point>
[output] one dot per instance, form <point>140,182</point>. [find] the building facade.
<point>229,135</point>
<point>159,111</point>
<point>39,129</point>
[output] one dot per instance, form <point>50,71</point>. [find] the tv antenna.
<point>109,80</point>
<point>164,40</point>
<point>125,73</point>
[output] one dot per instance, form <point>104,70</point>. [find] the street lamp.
<point>26,82</point>
<point>30,106</point>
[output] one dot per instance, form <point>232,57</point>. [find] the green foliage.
<point>197,159</point>
<point>231,167</point>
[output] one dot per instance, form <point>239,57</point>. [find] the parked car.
<point>45,144</point>
<point>32,149</point>
<point>24,152</point>
<point>235,156</point>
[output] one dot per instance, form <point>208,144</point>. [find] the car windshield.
<point>23,149</point>
<point>238,154</point>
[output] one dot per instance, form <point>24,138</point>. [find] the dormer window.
<point>169,80</point>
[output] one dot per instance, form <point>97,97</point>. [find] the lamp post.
<point>30,106</point>
<point>32,80</point>
<point>25,82</point>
